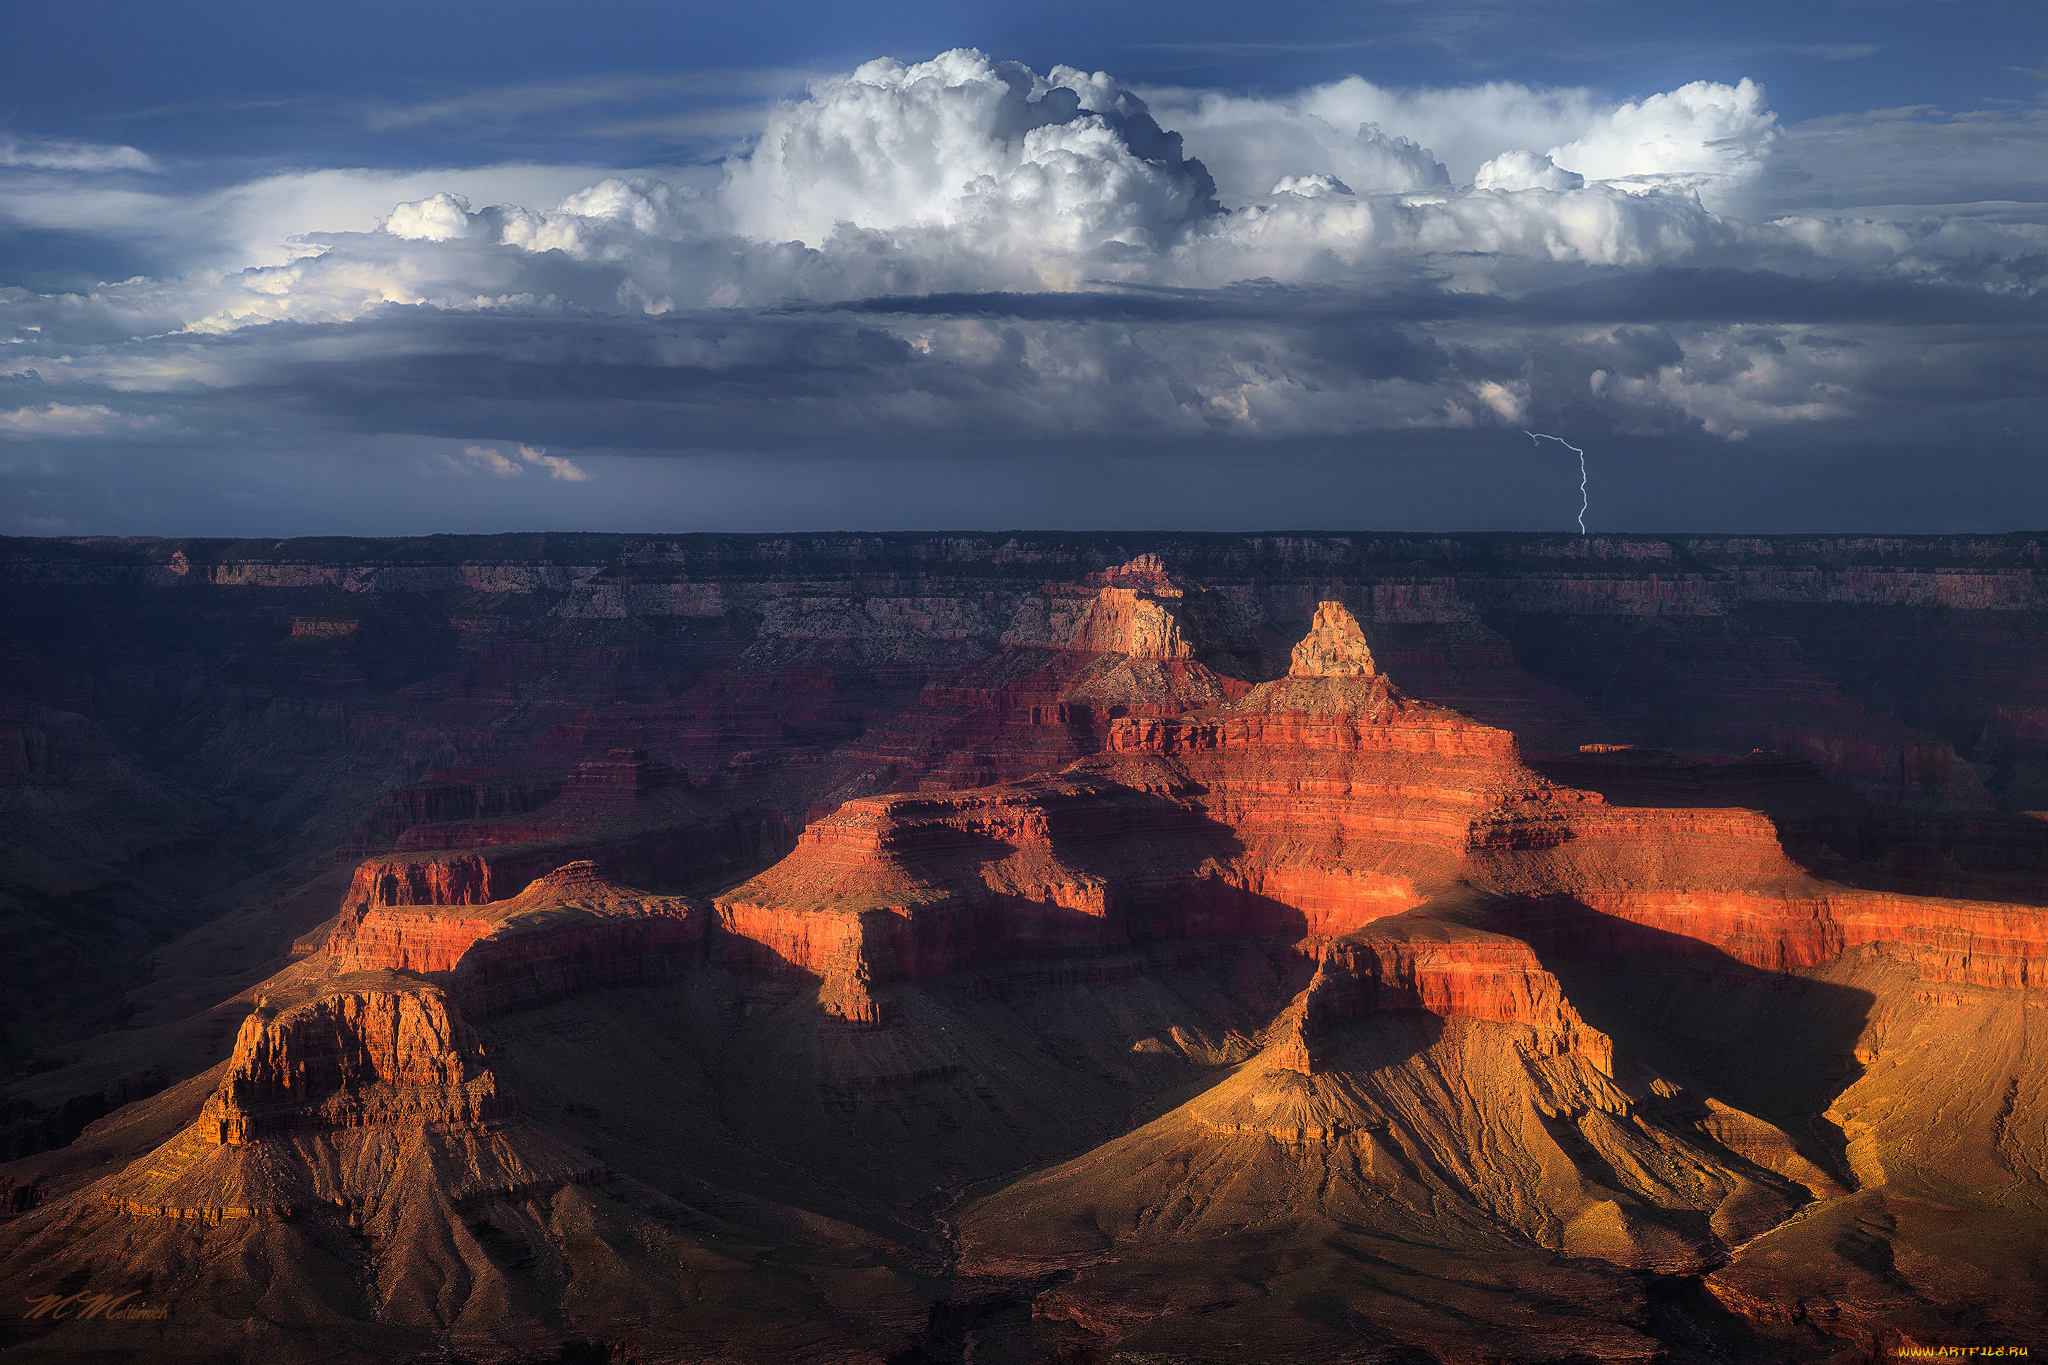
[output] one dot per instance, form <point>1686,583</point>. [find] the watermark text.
<point>85,1307</point>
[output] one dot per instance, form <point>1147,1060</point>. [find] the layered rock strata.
<point>1314,805</point>
<point>1077,657</point>
<point>371,1036</point>
<point>569,930</point>
<point>636,816</point>
<point>1311,805</point>
<point>1450,971</point>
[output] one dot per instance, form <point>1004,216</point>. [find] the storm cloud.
<point>969,261</point>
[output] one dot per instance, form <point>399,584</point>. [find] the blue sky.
<point>385,268</point>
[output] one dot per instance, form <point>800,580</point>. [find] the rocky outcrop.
<point>1136,610</point>
<point>454,879</point>
<point>910,887</point>
<point>370,1043</point>
<point>1333,648</point>
<point>1347,800</point>
<point>1026,711</point>
<point>569,930</point>
<point>1317,805</point>
<point>1077,658</point>
<point>364,1050</point>
<point>1310,805</point>
<point>1962,943</point>
<point>1123,621</point>
<point>1455,972</point>
<point>321,1088</point>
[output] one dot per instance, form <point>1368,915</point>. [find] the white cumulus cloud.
<point>436,218</point>
<point>1246,143</point>
<point>1522,170</point>
<point>963,173</point>
<point>1705,133</point>
<point>990,151</point>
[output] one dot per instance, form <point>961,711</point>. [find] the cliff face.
<point>1141,844</point>
<point>569,930</point>
<point>1946,942</point>
<point>353,1056</point>
<point>633,816</point>
<point>909,887</point>
<point>317,1085</point>
<point>1076,658</point>
<point>1455,973</point>
<point>1314,804</point>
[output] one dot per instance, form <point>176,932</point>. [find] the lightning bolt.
<point>1536,436</point>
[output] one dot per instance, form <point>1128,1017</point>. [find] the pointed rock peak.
<point>1333,648</point>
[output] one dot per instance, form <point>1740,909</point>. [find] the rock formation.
<point>1333,648</point>
<point>1125,641</point>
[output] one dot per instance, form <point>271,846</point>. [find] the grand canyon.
<point>1144,948</point>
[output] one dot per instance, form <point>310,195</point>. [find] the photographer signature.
<point>83,1307</point>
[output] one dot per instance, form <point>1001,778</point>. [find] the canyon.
<point>1026,947</point>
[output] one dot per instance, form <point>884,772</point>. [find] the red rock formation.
<point>1455,972</point>
<point>1969,943</point>
<point>568,930</point>
<point>1333,648</point>
<point>1350,800</point>
<point>1314,805</point>
<point>463,879</point>
<point>366,1042</point>
<point>909,887</point>
<point>326,1087</point>
<point>363,1051</point>
<point>1076,658</point>
<point>1136,610</point>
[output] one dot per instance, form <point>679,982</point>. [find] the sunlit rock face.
<point>1333,648</point>
<point>759,948</point>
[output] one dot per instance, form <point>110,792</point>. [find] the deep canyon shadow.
<point>1777,1045</point>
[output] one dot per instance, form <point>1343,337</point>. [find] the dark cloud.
<point>1673,293</point>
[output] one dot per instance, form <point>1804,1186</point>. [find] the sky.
<point>384,269</point>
